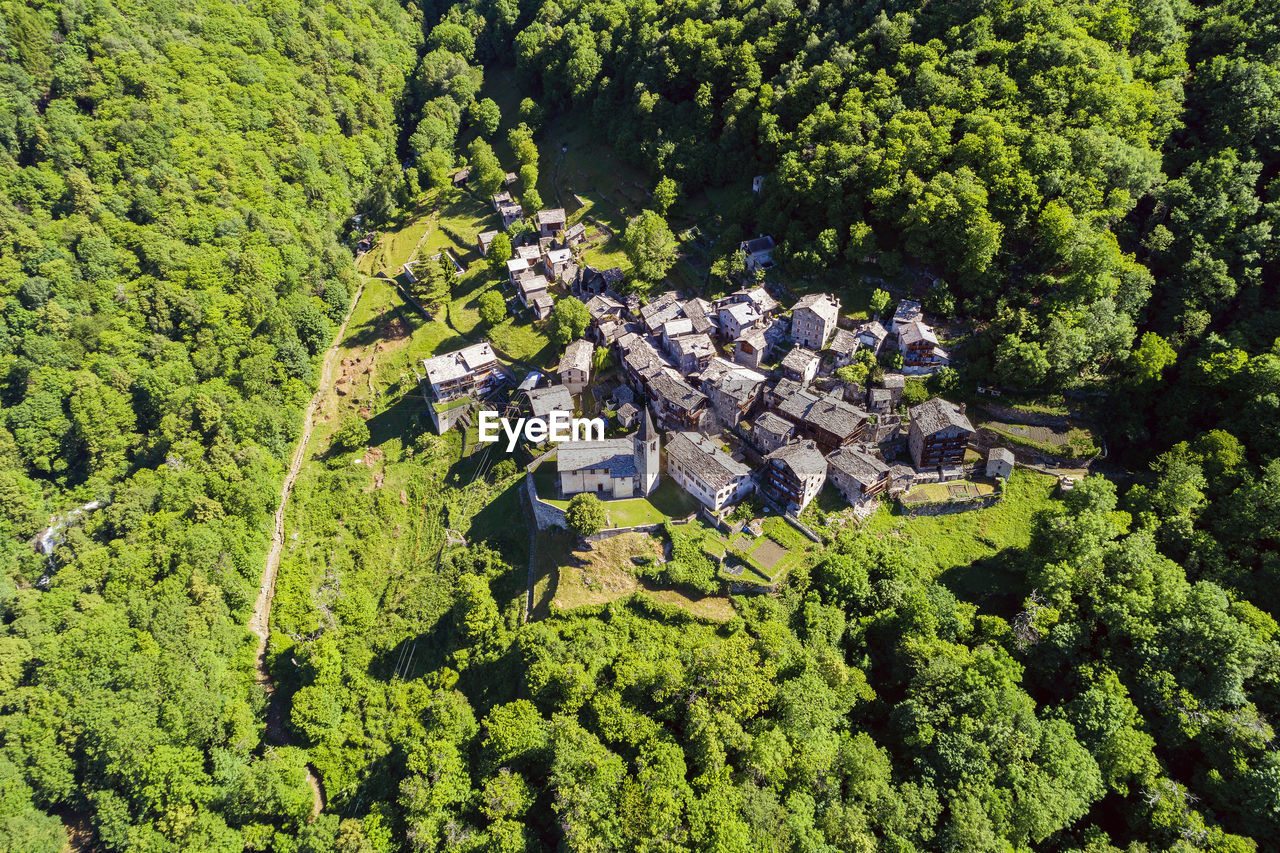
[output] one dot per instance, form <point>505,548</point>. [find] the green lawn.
<point>667,501</point>
<point>940,543</point>
<point>942,492</point>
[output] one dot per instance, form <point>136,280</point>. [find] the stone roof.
<point>894,380</point>
<point>862,467</point>
<point>677,392</point>
<point>515,265</point>
<point>843,342</point>
<point>907,312</point>
<point>1002,454</point>
<point>757,297</point>
<point>559,256</point>
<point>917,331</point>
<point>529,253</point>
<point>615,454</point>
<point>693,345</point>
<point>603,305</point>
<point>544,401</point>
<point>531,285</point>
<point>676,327</point>
<point>773,424</point>
<point>799,359</point>
<point>719,368</point>
<point>576,231</point>
<point>705,459</point>
<point>627,412</point>
<point>555,214</point>
<point>455,365</point>
<point>743,313</point>
<point>486,237</point>
<point>577,356</point>
<point>822,304</point>
<point>938,414</point>
<point>826,413</point>
<point>872,329</point>
<point>802,457</point>
<point>759,244</point>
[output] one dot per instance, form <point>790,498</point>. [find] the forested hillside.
<point>174,179</point>
<point>1092,184</point>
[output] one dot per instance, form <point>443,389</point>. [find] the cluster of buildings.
<point>547,259</point>
<point>731,396</point>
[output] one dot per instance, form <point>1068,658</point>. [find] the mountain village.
<point>724,398</point>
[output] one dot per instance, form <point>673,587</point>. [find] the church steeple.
<point>646,455</point>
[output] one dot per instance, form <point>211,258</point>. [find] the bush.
<point>493,308</point>
<point>353,434</point>
<point>585,514</point>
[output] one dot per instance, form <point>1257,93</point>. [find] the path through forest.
<point>260,622</point>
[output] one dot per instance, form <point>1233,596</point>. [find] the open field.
<point>945,542</point>
<point>570,576</point>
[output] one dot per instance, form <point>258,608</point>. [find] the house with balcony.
<point>793,475</point>
<point>937,434</point>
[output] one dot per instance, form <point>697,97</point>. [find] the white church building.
<point>612,468</point>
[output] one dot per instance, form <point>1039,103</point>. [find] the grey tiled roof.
<point>773,423</point>
<point>802,457</point>
<point>577,356</point>
<point>799,359</point>
<point>862,467</point>
<point>616,454</point>
<point>705,459</point>
<point>544,401</point>
<point>938,414</point>
<point>677,392</point>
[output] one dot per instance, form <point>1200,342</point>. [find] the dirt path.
<point>260,622</point>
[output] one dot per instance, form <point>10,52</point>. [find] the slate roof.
<point>759,244</point>
<point>676,392</point>
<point>938,414</point>
<point>1003,454</point>
<point>544,401</point>
<point>822,304</point>
<point>744,313</point>
<point>705,459</point>
<point>616,454</point>
<point>455,365</point>
<point>627,412</point>
<point>530,285</point>
<point>757,297</point>
<point>873,330</point>
<point>773,424</point>
<point>577,356</point>
<point>843,342</point>
<point>799,359</point>
<point>907,312</point>
<point>862,467</point>
<point>802,457</point>
<point>696,346</point>
<point>676,327</point>
<point>603,305</point>
<point>916,331</point>
<point>552,215</point>
<point>827,413</point>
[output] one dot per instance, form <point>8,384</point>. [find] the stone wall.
<point>951,507</point>
<point>544,514</point>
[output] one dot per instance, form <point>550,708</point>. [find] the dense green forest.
<point>1092,184</point>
